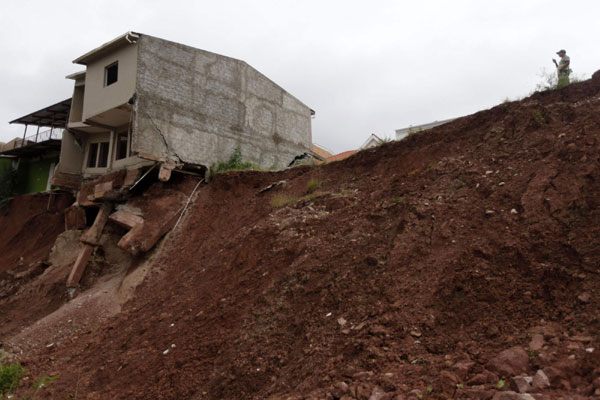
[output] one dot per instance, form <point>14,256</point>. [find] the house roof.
<point>341,156</point>
<point>124,39</point>
<point>372,139</point>
<point>55,115</point>
<point>34,149</point>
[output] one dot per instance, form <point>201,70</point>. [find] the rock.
<point>415,333</point>
<point>519,384</point>
<point>584,298</point>
<point>510,395</point>
<point>484,378</point>
<point>540,380</point>
<point>537,342</point>
<point>339,389</point>
<point>341,321</point>
<point>474,394</point>
<point>448,381</point>
<point>462,368</point>
<point>510,362</point>
<point>377,394</point>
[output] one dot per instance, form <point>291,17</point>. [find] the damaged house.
<point>142,100</point>
<point>145,104</point>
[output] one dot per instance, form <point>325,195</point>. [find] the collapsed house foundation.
<point>111,199</point>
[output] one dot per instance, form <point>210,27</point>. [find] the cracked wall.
<point>196,106</point>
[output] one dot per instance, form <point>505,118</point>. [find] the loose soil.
<point>377,277</point>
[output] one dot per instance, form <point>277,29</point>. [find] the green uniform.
<point>563,73</point>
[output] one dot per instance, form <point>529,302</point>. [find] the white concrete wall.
<point>99,98</point>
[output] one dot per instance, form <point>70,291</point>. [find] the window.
<point>122,148</point>
<point>98,155</point>
<point>111,73</point>
<point>92,155</point>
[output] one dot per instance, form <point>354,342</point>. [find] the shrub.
<point>313,185</point>
<point>235,162</point>
<point>10,375</point>
<point>549,80</point>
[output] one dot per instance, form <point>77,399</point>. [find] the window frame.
<point>106,73</point>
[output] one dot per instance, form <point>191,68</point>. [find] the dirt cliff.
<point>459,262</point>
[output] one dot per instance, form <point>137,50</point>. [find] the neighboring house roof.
<point>31,149</point>
<point>341,156</point>
<point>404,132</point>
<point>55,115</point>
<point>321,152</point>
<point>372,141</point>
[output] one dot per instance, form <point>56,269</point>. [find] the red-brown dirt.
<point>401,272</point>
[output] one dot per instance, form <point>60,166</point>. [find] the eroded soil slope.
<point>401,271</point>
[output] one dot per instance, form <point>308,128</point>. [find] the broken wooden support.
<point>92,235</point>
<point>77,271</point>
<point>126,219</point>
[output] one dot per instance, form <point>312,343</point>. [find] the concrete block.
<point>74,218</point>
<point>126,219</point>
<point>103,187</point>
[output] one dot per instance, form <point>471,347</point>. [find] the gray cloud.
<point>364,67</point>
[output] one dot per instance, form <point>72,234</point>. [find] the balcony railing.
<point>54,133</point>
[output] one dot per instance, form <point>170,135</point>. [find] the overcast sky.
<point>364,67</point>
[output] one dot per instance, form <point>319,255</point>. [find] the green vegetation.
<point>281,199</point>
<point>313,185</point>
<point>10,375</point>
<point>549,80</point>
<point>8,181</point>
<point>235,162</point>
<point>398,200</point>
<point>42,382</point>
<point>538,117</point>
<point>500,383</point>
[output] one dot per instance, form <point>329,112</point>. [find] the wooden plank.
<point>126,219</point>
<point>92,235</point>
<point>77,271</point>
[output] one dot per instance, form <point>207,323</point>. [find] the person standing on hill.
<point>563,69</point>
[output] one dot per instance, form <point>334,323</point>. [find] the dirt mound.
<point>424,268</point>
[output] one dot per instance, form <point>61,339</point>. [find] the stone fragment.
<point>377,393</point>
<point>484,378</point>
<point>540,380</point>
<point>584,298</point>
<point>339,389</point>
<point>448,381</point>
<point>537,342</point>
<point>511,395</point>
<point>462,368</point>
<point>510,362</point>
<point>519,384</point>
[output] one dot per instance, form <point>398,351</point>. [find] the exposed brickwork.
<point>202,105</point>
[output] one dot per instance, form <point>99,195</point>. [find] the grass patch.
<point>313,185</point>
<point>235,163</point>
<point>10,375</point>
<point>281,200</point>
